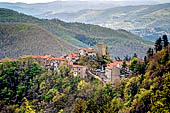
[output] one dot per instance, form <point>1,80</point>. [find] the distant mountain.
<point>148,21</point>
<point>69,6</point>
<point>120,42</point>
<point>145,18</point>
<point>18,39</point>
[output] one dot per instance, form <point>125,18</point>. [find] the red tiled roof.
<point>77,66</point>
<point>12,59</point>
<point>115,63</point>
<point>55,58</point>
<point>73,55</point>
<point>46,56</point>
<point>128,63</point>
<point>34,56</point>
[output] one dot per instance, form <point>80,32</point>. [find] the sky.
<point>44,1</point>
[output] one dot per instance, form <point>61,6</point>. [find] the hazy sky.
<point>43,1</point>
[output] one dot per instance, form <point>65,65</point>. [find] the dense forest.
<point>120,42</point>
<point>26,87</point>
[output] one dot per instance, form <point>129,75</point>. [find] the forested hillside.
<point>120,42</point>
<point>27,87</point>
<point>17,39</point>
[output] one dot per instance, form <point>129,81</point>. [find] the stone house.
<point>112,70</point>
<point>72,57</point>
<point>79,70</point>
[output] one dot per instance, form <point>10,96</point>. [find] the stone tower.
<point>101,49</point>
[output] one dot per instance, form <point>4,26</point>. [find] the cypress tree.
<point>158,44</point>
<point>135,55</point>
<point>149,53</point>
<point>165,40</point>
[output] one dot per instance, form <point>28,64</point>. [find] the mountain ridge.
<point>139,20</point>
<point>85,35</point>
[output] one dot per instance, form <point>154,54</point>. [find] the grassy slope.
<point>18,39</point>
<point>120,42</point>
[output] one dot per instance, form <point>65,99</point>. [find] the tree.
<point>107,51</point>
<point>26,108</point>
<point>158,44</point>
<point>149,53</point>
<point>81,85</point>
<point>123,70</point>
<point>165,40</point>
<point>80,106</point>
<point>165,57</point>
<point>160,102</point>
<point>145,60</point>
<point>135,55</point>
<point>117,58</point>
<point>127,58</point>
<point>133,64</point>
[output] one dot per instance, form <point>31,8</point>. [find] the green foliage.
<point>123,70</point>
<point>16,79</point>
<point>158,44</point>
<point>27,108</point>
<point>80,106</point>
<point>165,57</point>
<point>160,100</point>
<point>149,53</point>
<point>133,63</point>
<point>165,40</point>
<point>81,85</point>
<point>50,94</point>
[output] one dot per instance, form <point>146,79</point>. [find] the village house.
<point>79,70</point>
<point>54,63</point>
<point>87,52</point>
<point>72,57</point>
<point>112,71</point>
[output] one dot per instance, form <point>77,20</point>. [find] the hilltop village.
<point>108,69</point>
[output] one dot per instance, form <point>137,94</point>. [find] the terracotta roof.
<point>34,56</point>
<point>115,63</point>
<point>55,58</point>
<point>73,55</point>
<point>77,66</point>
<point>12,59</point>
<point>128,63</point>
<point>46,56</point>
